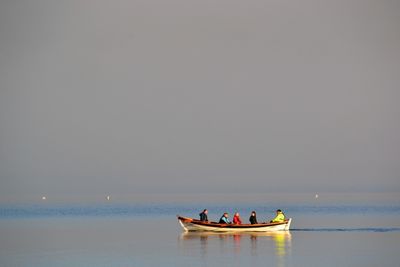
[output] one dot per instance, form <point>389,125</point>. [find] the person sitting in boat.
<point>236,218</point>
<point>253,218</point>
<point>280,217</point>
<point>224,219</point>
<point>203,215</point>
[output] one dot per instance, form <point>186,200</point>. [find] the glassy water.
<point>149,235</point>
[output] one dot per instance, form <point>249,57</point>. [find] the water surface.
<point>149,235</point>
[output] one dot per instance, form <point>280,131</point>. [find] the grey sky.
<point>193,96</point>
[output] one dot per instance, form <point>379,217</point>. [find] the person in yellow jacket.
<point>280,217</point>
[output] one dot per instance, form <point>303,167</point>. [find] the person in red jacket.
<point>236,218</point>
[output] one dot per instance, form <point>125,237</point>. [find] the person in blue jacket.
<point>224,219</point>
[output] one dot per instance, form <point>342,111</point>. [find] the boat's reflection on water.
<point>274,243</point>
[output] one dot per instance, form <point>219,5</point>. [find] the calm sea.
<point>115,234</point>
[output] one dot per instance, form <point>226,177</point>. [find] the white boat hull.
<point>190,224</point>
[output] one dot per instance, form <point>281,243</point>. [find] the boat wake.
<point>368,229</point>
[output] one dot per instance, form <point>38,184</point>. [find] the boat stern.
<point>287,227</point>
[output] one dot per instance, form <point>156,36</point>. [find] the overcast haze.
<point>199,96</point>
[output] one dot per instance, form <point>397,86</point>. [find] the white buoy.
<point>316,196</point>
<point>108,197</point>
<point>44,198</point>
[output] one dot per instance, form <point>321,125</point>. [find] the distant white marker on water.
<point>108,197</point>
<point>44,197</point>
<point>316,196</point>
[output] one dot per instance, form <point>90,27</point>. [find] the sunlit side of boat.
<point>190,224</point>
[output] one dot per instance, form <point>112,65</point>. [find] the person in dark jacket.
<point>203,215</point>
<point>253,217</point>
<point>224,219</point>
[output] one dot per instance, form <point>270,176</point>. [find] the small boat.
<point>190,224</point>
